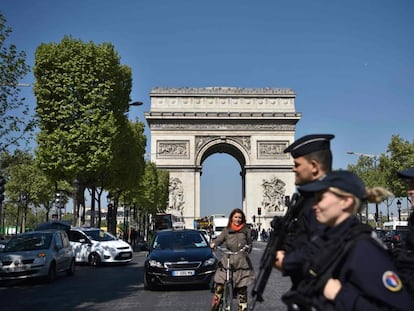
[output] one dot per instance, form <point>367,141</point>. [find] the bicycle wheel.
<point>227,298</point>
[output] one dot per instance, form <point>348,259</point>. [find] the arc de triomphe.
<point>254,125</point>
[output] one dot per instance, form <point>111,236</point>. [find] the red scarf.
<point>236,228</point>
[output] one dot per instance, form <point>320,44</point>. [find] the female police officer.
<point>350,269</point>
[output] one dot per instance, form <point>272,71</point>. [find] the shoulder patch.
<point>391,281</point>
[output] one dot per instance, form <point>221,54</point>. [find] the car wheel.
<point>148,285</point>
<point>51,276</point>
<point>71,270</point>
<point>94,259</point>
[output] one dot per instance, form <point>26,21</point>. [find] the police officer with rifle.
<point>288,247</point>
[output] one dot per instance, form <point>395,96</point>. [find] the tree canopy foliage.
<point>153,189</point>
<point>82,94</point>
<point>16,124</point>
<point>381,170</point>
<point>26,179</point>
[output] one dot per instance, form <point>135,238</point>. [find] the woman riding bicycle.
<point>238,238</point>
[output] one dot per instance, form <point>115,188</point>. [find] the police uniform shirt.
<point>367,274</point>
<point>298,244</point>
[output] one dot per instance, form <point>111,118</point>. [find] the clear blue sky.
<point>350,62</point>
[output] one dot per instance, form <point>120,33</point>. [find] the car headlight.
<point>40,259</point>
<point>156,264</point>
<point>209,262</point>
<point>108,248</point>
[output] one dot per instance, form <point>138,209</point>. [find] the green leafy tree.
<point>382,170</point>
<point>82,94</point>
<point>128,164</point>
<point>148,189</point>
<point>28,188</point>
<point>15,123</point>
<point>152,192</point>
<point>401,156</point>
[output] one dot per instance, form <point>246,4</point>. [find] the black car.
<point>178,257</point>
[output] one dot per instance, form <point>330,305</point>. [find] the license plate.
<point>125,255</point>
<point>183,273</point>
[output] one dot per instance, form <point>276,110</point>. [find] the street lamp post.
<point>109,214</point>
<point>399,209</point>
<point>375,158</point>
<point>380,215</point>
<point>75,185</point>
<point>21,212</point>
<point>126,223</point>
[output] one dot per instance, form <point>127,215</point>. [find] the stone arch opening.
<point>222,145</point>
<point>231,147</point>
<point>221,185</point>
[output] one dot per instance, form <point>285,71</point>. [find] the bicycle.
<point>226,300</point>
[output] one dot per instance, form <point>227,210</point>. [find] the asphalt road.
<point>118,288</point>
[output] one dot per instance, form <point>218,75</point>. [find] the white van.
<point>218,223</point>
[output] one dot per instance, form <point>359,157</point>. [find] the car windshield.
<point>179,240</point>
<point>100,235</point>
<point>29,242</point>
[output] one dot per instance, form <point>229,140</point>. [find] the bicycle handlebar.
<point>227,252</point>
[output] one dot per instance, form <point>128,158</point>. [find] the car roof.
<point>86,228</point>
<point>54,224</point>
<point>51,231</point>
<point>168,231</point>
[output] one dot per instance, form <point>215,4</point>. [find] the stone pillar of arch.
<point>253,125</point>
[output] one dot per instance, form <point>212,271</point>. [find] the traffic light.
<point>2,183</point>
<point>259,211</point>
<point>59,200</point>
<point>254,218</point>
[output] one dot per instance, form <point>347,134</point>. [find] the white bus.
<point>168,221</point>
<point>395,225</point>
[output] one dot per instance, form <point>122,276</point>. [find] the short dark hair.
<point>324,157</point>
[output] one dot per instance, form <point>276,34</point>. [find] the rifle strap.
<point>322,266</point>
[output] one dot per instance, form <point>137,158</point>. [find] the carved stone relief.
<point>176,195</point>
<point>273,195</point>
<point>271,149</point>
<point>173,149</point>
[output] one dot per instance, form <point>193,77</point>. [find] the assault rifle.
<point>280,226</point>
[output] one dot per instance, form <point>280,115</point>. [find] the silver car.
<point>37,254</point>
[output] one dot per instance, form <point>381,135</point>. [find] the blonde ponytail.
<point>377,194</point>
